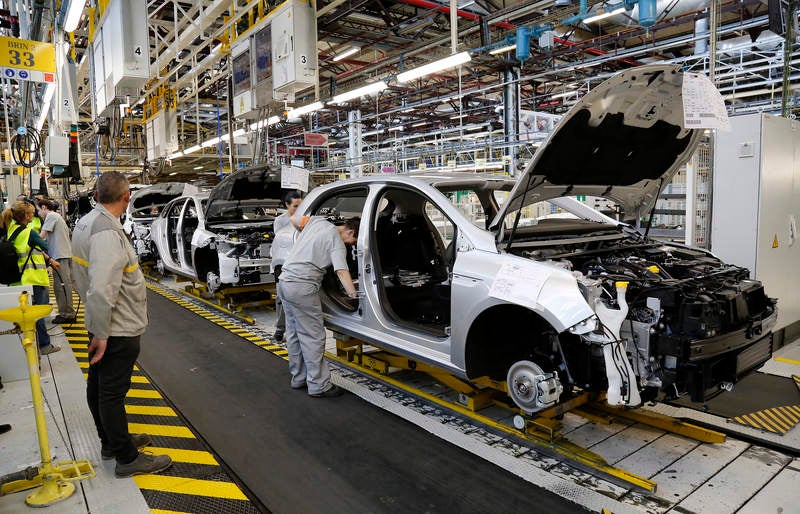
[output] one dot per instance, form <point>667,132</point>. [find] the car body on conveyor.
<point>555,305</point>
<point>223,237</point>
<point>146,202</point>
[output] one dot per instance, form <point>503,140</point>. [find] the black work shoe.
<point>139,441</point>
<point>143,464</point>
<point>63,320</point>
<point>333,392</point>
<point>4,428</point>
<point>301,386</point>
<point>278,336</point>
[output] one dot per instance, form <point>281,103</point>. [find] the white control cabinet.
<point>120,54</point>
<point>161,133</point>
<point>294,49</point>
<point>756,204</point>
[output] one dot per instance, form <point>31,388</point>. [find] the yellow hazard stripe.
<point>143,393</point>
<point>162,511</point>
<point>788,361</point>
<point>136,379</point>
<point>147,410</point>
<point>163,430</point>
<point>179,485</point>
<point>188,456</point>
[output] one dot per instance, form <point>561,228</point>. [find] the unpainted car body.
<point>561,305</point>
<point>145,205</point>
<point>221,238</point>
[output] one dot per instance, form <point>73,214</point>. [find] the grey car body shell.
<point>646,96</point>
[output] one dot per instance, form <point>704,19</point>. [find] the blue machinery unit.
<point>648,16</point>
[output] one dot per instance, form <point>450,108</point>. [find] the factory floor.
<point>243,441</point>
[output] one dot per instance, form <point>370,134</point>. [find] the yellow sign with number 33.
<point>27,55</point>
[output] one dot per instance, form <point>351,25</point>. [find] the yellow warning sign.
<point>775,241</point>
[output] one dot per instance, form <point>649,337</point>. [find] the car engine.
<point>693,323</point>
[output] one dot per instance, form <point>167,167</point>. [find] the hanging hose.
<point>26,147</point>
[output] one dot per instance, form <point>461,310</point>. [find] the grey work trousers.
<point>280,324</point>
<point>305,336</point>
<point>62,287</point>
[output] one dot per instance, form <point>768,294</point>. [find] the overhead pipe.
<point>426,4</point>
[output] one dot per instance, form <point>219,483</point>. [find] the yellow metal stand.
<point>228,300</point>
<point>543,428</point>
<point>53,482</point>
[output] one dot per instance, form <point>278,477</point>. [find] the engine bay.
<point>690,316</point>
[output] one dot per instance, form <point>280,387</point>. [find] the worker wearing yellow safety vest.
<point>32,260</point>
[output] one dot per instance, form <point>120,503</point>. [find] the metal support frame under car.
<point>543,429</point>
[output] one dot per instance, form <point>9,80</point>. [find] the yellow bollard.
<point>54,481</point>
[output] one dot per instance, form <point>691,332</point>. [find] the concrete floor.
<point>71,433</point>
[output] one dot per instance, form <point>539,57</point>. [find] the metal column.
<point>511,117</point>
<point>354,151</point>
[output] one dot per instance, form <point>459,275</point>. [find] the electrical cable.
<point>26,147</point>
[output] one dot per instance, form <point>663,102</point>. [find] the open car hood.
<point>258,183</point>
<point>623,141</point>
<point>156,195</point>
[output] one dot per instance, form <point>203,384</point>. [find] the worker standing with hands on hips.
<point>111,285</point>
<point>285,234</point>
<point>319,245</point>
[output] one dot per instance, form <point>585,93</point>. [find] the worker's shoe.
<point>301,386</point>
<point>139,441</point>
<point>65,320</point>
<point>333,392</point>
<point>4,428</point>
<point>143,464</point>
<point>278,335</point>
<point>50,348</point>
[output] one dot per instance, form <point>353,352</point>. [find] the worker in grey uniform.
<point>108,279</point>
<point>282,243</point>
<point>319,245</point>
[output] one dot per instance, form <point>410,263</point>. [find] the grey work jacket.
<point>107,276</point>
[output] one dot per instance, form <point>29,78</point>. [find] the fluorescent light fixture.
<point>369,89</point>
<point>396,128</point>
<point>562,95</point>
<point>420,124</point>
<point>216,49</point>
<point>458,116</point>
<point>175,155</point>
<point>173,173</point>
<point>210,142</point>
<point>272,120</point>
<point>604,15</point>
<point>299,111</point>
<point>73,15</point>
<point>47,99</point>
<point>192,149</point>
<point>410,109</point>
<point>350,51</point>
<point>372,133</point>
<point>436,66</point>
<point>197,168</point>
<point>503,49</point>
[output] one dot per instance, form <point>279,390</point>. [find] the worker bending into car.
<point>319,245</point>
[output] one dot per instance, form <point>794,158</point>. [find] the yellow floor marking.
<point>164,430</point>
<point>189,456</point>
<point>179,485</point>
<point>147,410</point>
<point>162,511</point>
<point>789,361</point>
<point>139,380</point>
<point>143,393</point>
